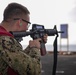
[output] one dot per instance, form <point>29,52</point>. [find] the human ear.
<point>20,24</point>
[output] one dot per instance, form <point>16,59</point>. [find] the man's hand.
<point>35,43</point>
<point>45,38</point>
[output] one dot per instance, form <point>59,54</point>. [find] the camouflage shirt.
<point>25,62</point>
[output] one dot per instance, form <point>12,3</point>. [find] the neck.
<point>5,25</point>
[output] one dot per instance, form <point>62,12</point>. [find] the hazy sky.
<point>49,13</point>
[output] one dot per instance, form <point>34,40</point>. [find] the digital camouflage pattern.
<point>25,62</point>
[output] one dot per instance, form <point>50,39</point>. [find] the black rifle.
<point>37,31</point>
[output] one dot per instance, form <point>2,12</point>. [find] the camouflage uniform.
<point>25,62</point>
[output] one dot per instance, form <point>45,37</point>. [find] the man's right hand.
<point>35,43</point>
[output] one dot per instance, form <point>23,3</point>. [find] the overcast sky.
<point>49,13</point>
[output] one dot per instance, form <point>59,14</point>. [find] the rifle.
<point>37,31</point>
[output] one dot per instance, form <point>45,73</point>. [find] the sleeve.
<point>12,53</point>
<point>33,52</point>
